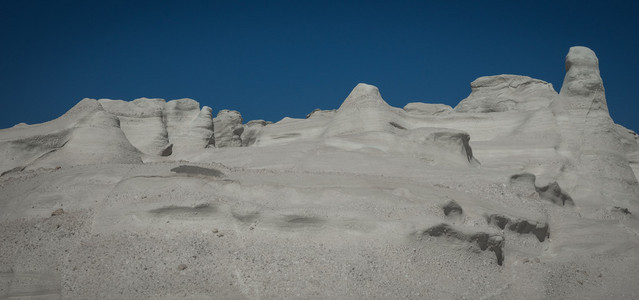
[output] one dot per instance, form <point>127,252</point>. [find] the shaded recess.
<point>524,183</point>
<point>452,208</point>
<point>299,221</point>
<point>173,210</point>
<point>195,170</point>
<point>485,241</point>
<point>540,230</point>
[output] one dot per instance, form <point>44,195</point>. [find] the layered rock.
<point>427,109</point>
<point>157,127</point>
<point>505,93</point>
<point>189,128</point>
<point>142,121</point>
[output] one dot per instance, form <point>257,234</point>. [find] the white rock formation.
<point>251,131</point>
<point>160,128</point>
<point>228,128</point>
<point>86,134</point>
<point>597,168</point>
<point>142,121</point>
<point>321,113</point>
<point>507,92</point>
<point>418,108</point>
<point>189,128</point>
<point>364,110</point>
<point>367,201</point>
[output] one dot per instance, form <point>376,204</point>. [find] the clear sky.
<point>271,59</point>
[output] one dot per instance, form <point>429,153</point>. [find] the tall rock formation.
<point>596,167</point>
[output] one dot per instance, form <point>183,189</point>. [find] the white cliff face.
<point>160,128</point>
<point>142,121</point>
<point>517,191</point>
<point>190,129</point>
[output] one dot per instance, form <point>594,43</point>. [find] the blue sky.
<point>271,59</point>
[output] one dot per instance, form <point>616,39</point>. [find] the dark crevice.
<point>195,170</point>
<point>485,241</point>
<point>554,194</point>
<point>452,208</point>
<point>540,230</point>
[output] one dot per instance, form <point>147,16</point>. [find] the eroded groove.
<point>195,170</point>
<point>173,210</point>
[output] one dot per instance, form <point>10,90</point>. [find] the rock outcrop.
<point>142,121</point>
<point>251,131</point>
<point>419,108</point>
<point>157,127</point>
<point>190,129</point>
<point>228,129</point>
<point>364,110</point>
<point>596,167</point>
<point>86,134</point>
<point>507,92</point>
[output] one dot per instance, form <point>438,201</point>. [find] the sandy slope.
<point>527,193</point>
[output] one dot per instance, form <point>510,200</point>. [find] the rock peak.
<point>364,89</point>
<point>580,56</point>
<point>363,95</point>
<point>583,81</point>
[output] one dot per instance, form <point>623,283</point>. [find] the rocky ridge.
<point>518,190</point>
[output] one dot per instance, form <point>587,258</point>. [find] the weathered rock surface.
<point>251,131</point>
<point>142,121</point>
<point>364,110</point>
<point>228,129</point>
<point>161,128</point>
<point>507,92</point>
<point>391,202</point>
<point>418,108</point>
<point>189,128</point>
<point>86,134</point>
<point>597,165</point>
